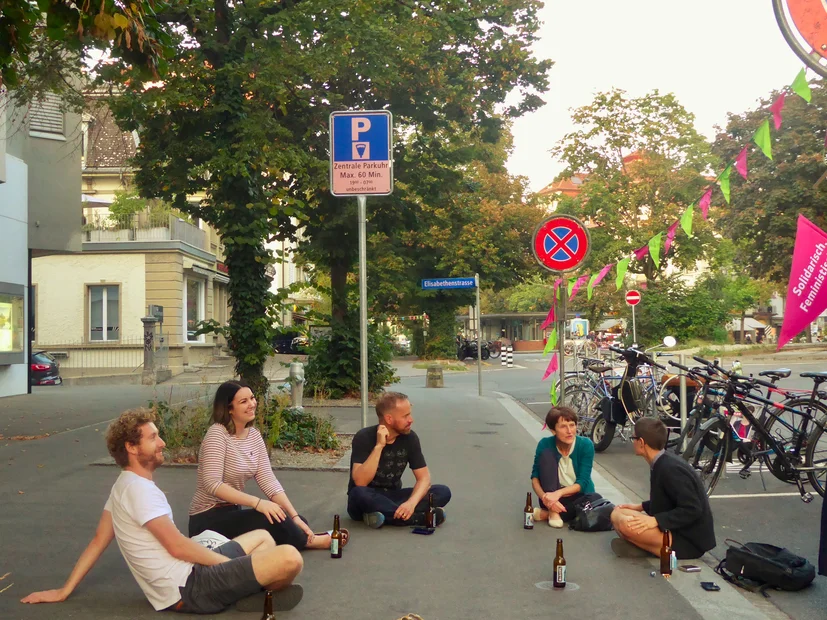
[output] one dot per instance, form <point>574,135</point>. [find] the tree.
<point>764,209</point>
<point>644,164</point>
<point>242,112</point>
<point>44,44</point>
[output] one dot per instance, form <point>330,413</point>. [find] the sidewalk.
<point>480,565</point>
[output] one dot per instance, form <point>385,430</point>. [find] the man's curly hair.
<point>127,429</point>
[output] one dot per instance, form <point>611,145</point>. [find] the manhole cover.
<point>549,585</point>
<point>482,432</point>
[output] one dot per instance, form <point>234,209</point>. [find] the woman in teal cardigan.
<point>562,471</point>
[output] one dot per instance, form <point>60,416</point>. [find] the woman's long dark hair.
<point>224,396</point>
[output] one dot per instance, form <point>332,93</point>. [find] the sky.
<point>716,56</point>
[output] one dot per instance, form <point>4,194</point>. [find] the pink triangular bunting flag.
<point>549,319</point>
<point>706,200</point>
<point>602,274</point>
<point>641,252</point>
<point>552,367</point>
<point>741,163</point>
<point>776,110</point>
<point>580,282</point>
<point>670,236</point>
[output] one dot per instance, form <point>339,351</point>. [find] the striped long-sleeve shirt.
<point>233,461</point>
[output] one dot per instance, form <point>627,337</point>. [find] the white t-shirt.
<point>565,469</point>
<point>133,502</point>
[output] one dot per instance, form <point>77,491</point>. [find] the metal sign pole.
<point>363,306</point>
<point>634,327</point>
<point>684,404</point>
<point>479,333</point>
<point>561,342</point>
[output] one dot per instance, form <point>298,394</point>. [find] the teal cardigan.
<point>582,457</point>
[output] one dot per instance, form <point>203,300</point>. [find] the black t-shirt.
<point>405,450</point>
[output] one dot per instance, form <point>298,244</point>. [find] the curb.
<point>110,462</point>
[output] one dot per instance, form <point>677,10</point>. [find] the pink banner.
<point>557,284</point>
<point>641,253</point>
<point>806,293</point>
<point>549,318</point>
<point>741,163</point>
<point>776,110</point>
<point>602,274</point>
<point>552,367</point>
<point>580,282</point>
<point>706,200</point>
<point>670,236</point>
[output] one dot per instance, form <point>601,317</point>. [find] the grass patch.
<point>446,365</point>
<point>758,349</point>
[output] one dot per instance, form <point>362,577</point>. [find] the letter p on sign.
<point>358,125</point>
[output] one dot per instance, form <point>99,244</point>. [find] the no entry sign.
<point>560,243</point>
<point>633,298</point>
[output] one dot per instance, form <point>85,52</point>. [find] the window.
<point>194,303</point>
<point>46,118</point>
<point>104,313</point>
<point>12,321</point>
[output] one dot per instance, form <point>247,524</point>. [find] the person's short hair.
<point>224,396</point>
<point>653,432</point>
<point>388,401</point>
<point>555,413</point>
<point>127,429</point>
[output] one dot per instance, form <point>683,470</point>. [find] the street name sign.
<point>560,243</point>
<point>360,153</point>
<point>633,298</point>
<point>443,283</point>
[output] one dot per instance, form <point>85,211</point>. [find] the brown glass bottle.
<point>528,513</point>
<point>430,516</point>
<point>559,580</point>
<point>268,606</point>
<point>666,556</point>
<point>336,539</point>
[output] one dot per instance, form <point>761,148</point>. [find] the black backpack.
<point>759,566</point>
<point>592,513</point>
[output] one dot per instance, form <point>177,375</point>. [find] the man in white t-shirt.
<point>175,572</point>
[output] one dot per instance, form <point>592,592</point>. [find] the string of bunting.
<point>762,138</point>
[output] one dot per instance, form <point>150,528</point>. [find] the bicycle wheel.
<point>590,348</point>
<point>785,427</point>
<point>568,349</point>
<point>815,455</point>
<point>669,401</point>
<point>707,452</point>
<point>573,382</point>
<point>494,351</point>
<point>693,423</point>
<point>581,401</point>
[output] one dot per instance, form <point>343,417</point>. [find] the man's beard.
<point>151,462</point>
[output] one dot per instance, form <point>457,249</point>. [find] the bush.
<point>333,365</point>
<point>182,427</point>
<point>290,429</point>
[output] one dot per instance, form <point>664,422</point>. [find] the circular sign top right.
<point>804,26</point>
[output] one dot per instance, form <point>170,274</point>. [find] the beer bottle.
<point>430,516</point>
<point>268,606</point>
<point>666,554</point>
<point>559,580</point>
<point>336,539</point>
<point>528,513</point>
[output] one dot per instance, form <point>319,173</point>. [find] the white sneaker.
<point>537,512</point>
<point>554,520</point>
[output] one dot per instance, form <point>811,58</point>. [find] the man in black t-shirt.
<point>378,459</point>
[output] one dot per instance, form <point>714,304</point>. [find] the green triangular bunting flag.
<point>763,139</point>
<point>622,266</point>
<point>686,220</point>
<point>551,343</point>
<point>723,181</point>
<point>590,288</point>
<point>801,87</point>
<point>654,249</point>
<point>571,286</point>
<point>553,393</point>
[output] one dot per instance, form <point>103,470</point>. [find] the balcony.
<point>104,227</point>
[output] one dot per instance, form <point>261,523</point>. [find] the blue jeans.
<point>361,500</point>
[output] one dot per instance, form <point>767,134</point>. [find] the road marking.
<point>753,495</point>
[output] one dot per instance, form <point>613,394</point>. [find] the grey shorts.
<point>211,589</point>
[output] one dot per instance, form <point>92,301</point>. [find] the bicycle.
<point>781,456</point>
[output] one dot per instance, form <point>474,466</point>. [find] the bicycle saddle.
<point>599,368</point>
<point>818,376</point>
<point>778,373</point>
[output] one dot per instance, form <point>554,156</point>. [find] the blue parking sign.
<point>360,153</point>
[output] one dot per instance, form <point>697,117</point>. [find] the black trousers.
<point>361,500</point>
<point>232,521</point>
<point>822,551</point>
<point>568,504</point>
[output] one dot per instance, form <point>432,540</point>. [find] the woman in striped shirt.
<point>231,453</point>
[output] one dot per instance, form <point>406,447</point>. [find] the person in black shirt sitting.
<point>378,459</point>
<point>677,502</point>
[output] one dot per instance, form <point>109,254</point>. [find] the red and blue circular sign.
<point>561,243</point>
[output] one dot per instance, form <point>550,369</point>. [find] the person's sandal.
<point>345,535</point>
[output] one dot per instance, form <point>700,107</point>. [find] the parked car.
<point>290,343</point>
<point>45,369</point>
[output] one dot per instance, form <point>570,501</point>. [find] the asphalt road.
<point>744,510</point>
